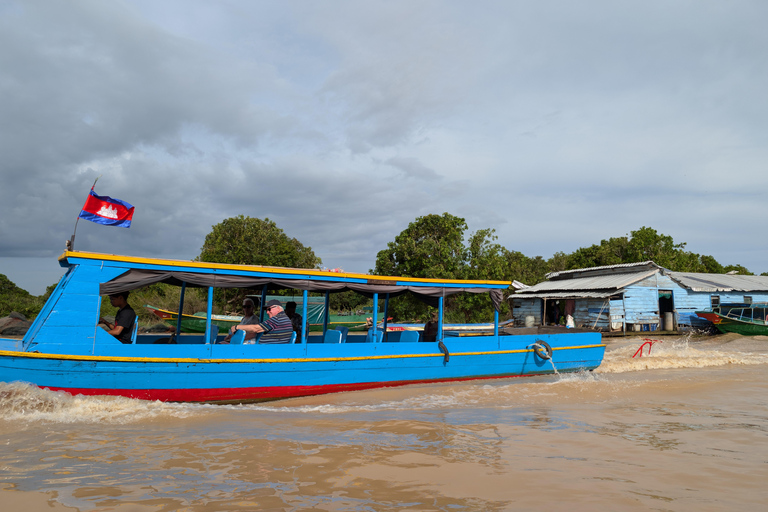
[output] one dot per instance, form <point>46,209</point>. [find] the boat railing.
<point>738,314</point>
<point>748,314</point>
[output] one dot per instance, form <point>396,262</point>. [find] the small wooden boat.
<point>65,350</point>
<point>744,319</point>
<point>196,322</point>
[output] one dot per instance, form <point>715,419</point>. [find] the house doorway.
<point>667,310</point>
<point>553,312</point>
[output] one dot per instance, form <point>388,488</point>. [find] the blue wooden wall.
<point>639,306</point>
<point>71,314</point>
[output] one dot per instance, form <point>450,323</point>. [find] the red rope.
<point>646,341</point>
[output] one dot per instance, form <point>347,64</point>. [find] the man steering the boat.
<point>124,318</point>
<point>276,329</point>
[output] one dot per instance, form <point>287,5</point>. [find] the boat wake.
<point>24,402</point>
<point>659,354</point>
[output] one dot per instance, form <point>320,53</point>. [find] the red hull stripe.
<point>259,394</point>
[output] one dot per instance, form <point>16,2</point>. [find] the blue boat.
<point>65,349</point>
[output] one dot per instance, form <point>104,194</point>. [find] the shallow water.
<point>684,428</point>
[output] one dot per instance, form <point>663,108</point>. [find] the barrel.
<point>530,321</point>
<point>669,321</point>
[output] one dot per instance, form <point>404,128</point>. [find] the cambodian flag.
<point>107,211</point>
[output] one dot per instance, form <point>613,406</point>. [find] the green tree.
<point>348,301</point>
<point>13,298</point>
<point>433,246</point>
<point>710,265</point>
<point>738,269</point>
<point>609,252</point>
<point>640,245</point>
<point>250,241</point>
<point>484,259</point>
<point>524,269</point>
<point>646,244</point>
<point>430,247</point>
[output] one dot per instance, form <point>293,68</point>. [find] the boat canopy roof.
<point>137,278</point>
<point>146,271</point>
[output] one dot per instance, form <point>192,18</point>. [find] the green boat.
<point>195,323</point>
<point>749,320</point>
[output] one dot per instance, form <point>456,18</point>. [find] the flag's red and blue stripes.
<point>106,210</point>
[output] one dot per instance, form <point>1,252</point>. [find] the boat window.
<point>734,313</point>
<point>758,314</point>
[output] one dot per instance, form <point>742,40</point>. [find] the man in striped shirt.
<point>276,329</point>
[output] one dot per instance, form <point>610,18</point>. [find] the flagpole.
<point>71,241</point>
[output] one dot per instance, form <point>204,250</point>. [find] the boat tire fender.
<point>542,349</point>
<point>444,350</point>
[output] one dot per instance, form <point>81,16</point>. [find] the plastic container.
<point>669,321</point>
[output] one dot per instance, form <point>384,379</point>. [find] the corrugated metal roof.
<point>609,283</point>
<point>612,269</point>
<point>720,282</point>
<point>562,295</point>
<point>607,280</point>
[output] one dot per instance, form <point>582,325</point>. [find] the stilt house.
<point>632,297</point>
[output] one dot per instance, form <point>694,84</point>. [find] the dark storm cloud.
<point>90,86</point>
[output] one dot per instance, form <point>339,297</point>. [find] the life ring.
<point>542,349</point>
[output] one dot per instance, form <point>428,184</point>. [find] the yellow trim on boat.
<point>259,268</point>
<point>67,357</point>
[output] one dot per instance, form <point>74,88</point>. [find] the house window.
<point>714,301</point>
<point>747,299</point>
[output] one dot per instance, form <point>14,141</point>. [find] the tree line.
<point>436,246</point>
<point>432,246</point>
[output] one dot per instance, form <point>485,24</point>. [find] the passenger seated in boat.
<point>276,329</point>
<point>249,318</point>
<point>124,318</point>
<point>296,319</point>
<point>430,329</point>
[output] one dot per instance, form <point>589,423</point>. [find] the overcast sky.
<point>556,123</point>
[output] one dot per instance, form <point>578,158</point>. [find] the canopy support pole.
<point>386,315</point>
<point>181,307</point>
<point>208,316</point>
<point>327,312</point>
<point>440,318</point>
<point>263,303</point>
<point>304,323</point>
<point>375,317</point>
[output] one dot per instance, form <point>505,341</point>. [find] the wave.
<point>25,402</point>
<point>653,354</point>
